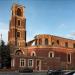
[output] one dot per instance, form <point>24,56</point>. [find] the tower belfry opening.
<point>19,12</point>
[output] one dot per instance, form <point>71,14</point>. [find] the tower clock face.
<point>19,13</point>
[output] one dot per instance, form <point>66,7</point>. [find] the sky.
<point>54,17</point>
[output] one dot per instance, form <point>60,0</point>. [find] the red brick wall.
<point>58,52</point>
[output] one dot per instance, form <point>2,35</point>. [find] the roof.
<point>53,36</point>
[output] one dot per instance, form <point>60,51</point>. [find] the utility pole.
<point>0,39</point>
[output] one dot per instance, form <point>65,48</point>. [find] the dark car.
<point>49,72</point>
<point>70,73</point>
<point>26,70</point>
<point>55,72</point>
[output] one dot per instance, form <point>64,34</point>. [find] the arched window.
<point>35,42</point>
<point>18,22</point>
<point>19,12</point>
<point>74,45</point>
<point>58,42</point>
<point>33,53</point>
<point>18,52</point>
<point>66,44</point>
<point>18,34</point>
<point>69,57</point>
<point>46,41</point>
<point>51,54</point>
<point>40,41</point>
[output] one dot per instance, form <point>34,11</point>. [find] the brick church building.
<point>41,53</point>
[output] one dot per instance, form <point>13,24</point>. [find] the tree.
<point>5,55</point>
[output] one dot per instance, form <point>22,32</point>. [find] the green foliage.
<point>5,55</point>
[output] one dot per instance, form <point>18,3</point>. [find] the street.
<point>16,73</point>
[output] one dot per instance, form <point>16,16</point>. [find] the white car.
<point>70,73</point>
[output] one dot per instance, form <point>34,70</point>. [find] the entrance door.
<point>38,65</point>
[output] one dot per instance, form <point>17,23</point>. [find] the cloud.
<point>71,35</point>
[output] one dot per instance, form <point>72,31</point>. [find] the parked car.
<point>26,70</point>
<point>70,73</point>
<point>49,72</point>
<point>55,72</point>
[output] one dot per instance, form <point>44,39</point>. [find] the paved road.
<point>33,74</point>
<point>15,73</point>
<point>36,73</point>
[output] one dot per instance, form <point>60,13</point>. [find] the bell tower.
<point>17,27</point>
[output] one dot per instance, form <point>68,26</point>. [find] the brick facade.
<point>41,53</point>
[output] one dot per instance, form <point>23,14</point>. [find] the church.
<point>43,52</point>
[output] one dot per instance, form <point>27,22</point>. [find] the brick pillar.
<point>43,41</point>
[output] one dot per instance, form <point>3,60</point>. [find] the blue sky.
<point>55,17</point>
